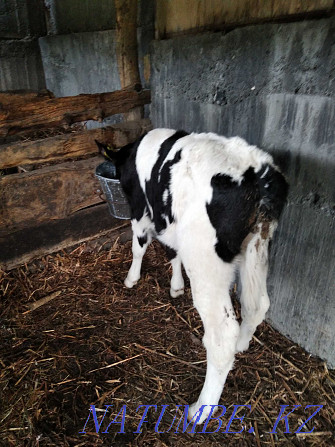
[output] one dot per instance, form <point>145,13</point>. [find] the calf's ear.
<point>106,150</point>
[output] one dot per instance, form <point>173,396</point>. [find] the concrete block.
<point>301,282</point>
<point>20,19</point>
<point>274,85</point>
<point>300,130</point>
<point>79,16</point>
<point>83,63</point>
<point>86,62</point>
<point>75,16</point>
<point>214,68</point>
<point>80,63</point>
<point>21,66</point>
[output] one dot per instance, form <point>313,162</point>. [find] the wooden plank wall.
<point>56,183</point>
<point>69,145</point>
<point>20,113</point>
<point>54,235</point>
<point>177,17</point>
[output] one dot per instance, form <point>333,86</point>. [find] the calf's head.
<point>117,156</point>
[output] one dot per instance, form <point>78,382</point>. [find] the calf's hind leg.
<point>253,273</point>
<point>210,282</point>
<point>177,280</point>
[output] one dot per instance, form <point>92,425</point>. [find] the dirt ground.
<point>73,336</point>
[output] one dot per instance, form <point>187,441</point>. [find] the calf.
<point>214,203</point>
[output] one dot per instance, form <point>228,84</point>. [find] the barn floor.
<point>96,342</point>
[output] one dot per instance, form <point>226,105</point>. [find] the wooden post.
<point>126,49</point>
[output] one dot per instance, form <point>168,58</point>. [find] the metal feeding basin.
<point>111,186</point>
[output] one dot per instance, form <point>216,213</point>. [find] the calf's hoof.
<point>129,283</point>
<point>242,343</point>
<point>194,408</point>
<point>174,293</point>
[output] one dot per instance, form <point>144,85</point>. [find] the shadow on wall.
<point>311,180</point>
<point>302,269</point>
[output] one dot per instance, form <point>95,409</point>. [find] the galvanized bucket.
<point>111,186</point>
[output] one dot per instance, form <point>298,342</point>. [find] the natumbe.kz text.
<point>180,424</point>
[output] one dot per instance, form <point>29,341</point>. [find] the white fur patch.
<point>147,153</point>
<point>165,196</point>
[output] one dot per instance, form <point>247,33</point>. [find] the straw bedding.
<point>73,336</point>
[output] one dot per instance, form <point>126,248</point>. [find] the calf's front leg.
<point>177,280</point>
<point>139,247</point>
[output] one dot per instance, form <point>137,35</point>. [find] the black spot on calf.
<point>232,211</point>
<point>142,240</point>
<point>158,187</point>
<point>126,165</point>
<point>236,208</point>
<point>170,252</point>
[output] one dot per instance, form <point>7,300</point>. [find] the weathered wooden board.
<point>19,97</point>
<point>31,243</point>
<point>53,192</point>
<point>41,112</point>
<point>70,145</point>
<point>175,16</point>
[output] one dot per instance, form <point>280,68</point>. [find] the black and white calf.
<point>214,203</point>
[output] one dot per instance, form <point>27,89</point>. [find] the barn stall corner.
<point>85,360</point>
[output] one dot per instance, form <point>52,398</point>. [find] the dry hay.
<point>92,341</point>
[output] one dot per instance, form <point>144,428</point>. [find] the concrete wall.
<point>274,85</point>
<point>21,65</point>
<point>75,52</point>
<point>79,16</point>
<point>21,19</point>
<point>77,41</point>
<point>20,59</point>
<point>80,63</point>
<point>79,52</point>
<point>76,16</point>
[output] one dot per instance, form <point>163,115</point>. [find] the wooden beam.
<point>175,17</point>
<point>70,145</point>
<point>42,112</point>
<point>31,243</point>
<point>19,97</point>
<point>126,49</point>
<point>50,193</point>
